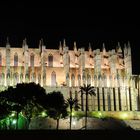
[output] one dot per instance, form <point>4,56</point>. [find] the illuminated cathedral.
<point>110,72</point>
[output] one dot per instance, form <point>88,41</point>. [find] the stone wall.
<point>78,124</point>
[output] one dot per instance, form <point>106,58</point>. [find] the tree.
<point>87,90</point>
<point>32,95</point>
<point>73,103</point>
<point>56,106</point>
<point>25,98</point>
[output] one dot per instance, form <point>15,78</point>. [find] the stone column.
<point>117,98</point>
<point>7,63</point>
<point>106,98</point>
<point>97,107</point>
<point>111,98</point>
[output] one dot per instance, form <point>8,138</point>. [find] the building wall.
<point>110,72</point>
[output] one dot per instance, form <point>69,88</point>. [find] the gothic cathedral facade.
<point>110,72</point>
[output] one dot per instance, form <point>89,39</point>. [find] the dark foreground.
<point>67,134</point>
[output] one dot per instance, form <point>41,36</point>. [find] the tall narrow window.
<point>72,80</point>
<point>105,81</point>
<point>50,60</point>
<point>0,60</point>
<point>8,79</point>
<point>95,80</point>
<point>32,60</point>
<point>16,59</point>
<point>33,77</point>
<point>79,80</point>
<point>39,79</point>
<point>109,101</point>
<point>53,79</point>
<point>2,79</point>
<point>89,80</point>
<point>21,77</point>
<point>16,78</point>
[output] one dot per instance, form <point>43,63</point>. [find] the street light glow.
<point>14,122</point>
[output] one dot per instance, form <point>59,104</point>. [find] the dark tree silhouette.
<point>24,98</point>
<point>73,103</point>
<point>87,90</point>
<point>56,106</point>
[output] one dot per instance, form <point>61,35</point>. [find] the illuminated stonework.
<point>110,72</point>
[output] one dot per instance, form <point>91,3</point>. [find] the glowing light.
<point>74,123</point>
<point>72,113</point>
<point>43,114</point>
<point>100,114</point>
<point>14,122</point>
<point>13,114</point>
<point>124,115</point>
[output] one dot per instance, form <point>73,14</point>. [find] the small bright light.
<point>43,114</point>
<point>124,115</point>
<point>74,123</point>
<point>14,122</point>
<point>72,113</point>
<point>13,114</point>
<point>100,114</point>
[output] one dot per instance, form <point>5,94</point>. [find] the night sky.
<point>83,25</point>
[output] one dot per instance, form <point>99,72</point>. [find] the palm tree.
<point>87,90</point>
<point>73,103</point>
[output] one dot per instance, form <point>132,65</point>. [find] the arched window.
<point>79,80</point>
<point>95,80</point>
<point>89,80</point>
<point>21,77</point>
<point>32,60</point>
<point>104,81</point>
<point>50,60</point>
<point>39,79</point>
<point>16,78</point>
<point>72,80</point>
<point>2,79</point>
<point>26,77</point>
<point>0,59</point>
<point>53,79</point>
<point>8,78</point>
<point>16,59</point>
<point>33,77</point>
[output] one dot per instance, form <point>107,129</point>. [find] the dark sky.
<point>83,25</point>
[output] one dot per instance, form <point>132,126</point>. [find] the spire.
<point>60,44</point>
<point>90,49</point>
<point>129,48</point>
<point>75,48</point>
<point>60,48</point>
<point>89,46</point>
<point>125,46</point>
<point>24,42</point>
<point>74,43</point>
<point>104,47</point>
<point>41,43</point>
<point>128,44</point>
<point>119,44</point>
<point>7,41</point>
<point>119,50</point>
<point>64,43</point>
<point>125,49</point>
